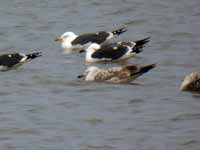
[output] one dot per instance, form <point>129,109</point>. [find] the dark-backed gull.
<point>191,82</point>
<point>114,51</point>
<point>115,74</point>
<point>72,42</point>
<point>14,60</point>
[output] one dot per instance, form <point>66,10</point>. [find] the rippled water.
<point>44,107</point>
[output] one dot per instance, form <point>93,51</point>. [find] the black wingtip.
<point>34,55</point>
<point>143,69</point>
<point>137,50</point>
<point>119,31</point>
<point>146,68</point>
<point>142,42</point>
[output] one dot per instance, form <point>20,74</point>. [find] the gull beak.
<point>58,39</point>
<point>82,51</point>
<point>80,76</point>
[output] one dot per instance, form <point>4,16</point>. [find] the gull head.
<point>93,47</point>
<point>91,69</point>
<point>89,73</point>
<point>66,36</point>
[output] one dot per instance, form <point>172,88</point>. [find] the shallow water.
<point>44,107</point>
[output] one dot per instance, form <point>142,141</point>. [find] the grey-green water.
<point>44,107</point>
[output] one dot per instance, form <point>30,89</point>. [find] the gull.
<point>114,51</point>
<point>14,60</point>
<point>72,42</point>
<point>191,82</point>
<point>124,74</point>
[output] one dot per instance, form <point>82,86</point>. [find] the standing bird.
<point>14,60</point>
<point>191,82</point>
<point>124,74</point>
<point>114,51</point>
<point>72,42</point>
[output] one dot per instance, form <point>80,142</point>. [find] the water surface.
<point>44,107</point>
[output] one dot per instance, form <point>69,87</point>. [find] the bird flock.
<point>99,48</point>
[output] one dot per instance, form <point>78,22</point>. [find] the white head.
<point>93,47</point>
<point>91,69</point>
<point>67,36</point>
<point>90,50</point>
<point>90,73</point>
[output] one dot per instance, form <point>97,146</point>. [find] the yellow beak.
<point>58,39</point>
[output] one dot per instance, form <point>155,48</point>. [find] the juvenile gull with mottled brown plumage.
<point>124,74</point>
<point>191,82</point>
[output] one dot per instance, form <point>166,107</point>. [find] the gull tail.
<point>119,31</point>
<point>140,44</point>
<point>33,55</point>
<point>142,70</point>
